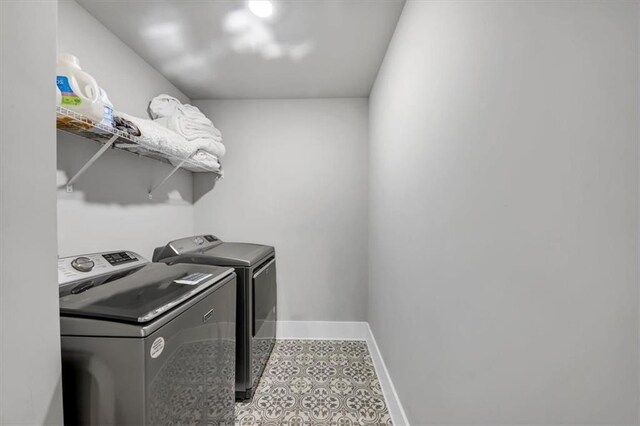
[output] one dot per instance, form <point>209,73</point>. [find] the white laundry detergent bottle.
<point>79,90</point>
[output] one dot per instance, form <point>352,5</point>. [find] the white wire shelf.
<point>71,122</point>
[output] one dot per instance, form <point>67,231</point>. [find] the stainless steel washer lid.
<point>139,296</point>
<point>238,254</point>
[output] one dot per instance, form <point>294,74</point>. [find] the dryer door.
<point>264,316</point>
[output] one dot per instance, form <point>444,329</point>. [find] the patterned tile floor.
<point>316,382</point>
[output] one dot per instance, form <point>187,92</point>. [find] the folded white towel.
<point>187,121</point>
<point>156,137</point>
<point>197,120</point>
<point>212,147</point>
<point>163,106</point>
<point>188,128</point>
<point>205,159</point>
<point>199,138</point>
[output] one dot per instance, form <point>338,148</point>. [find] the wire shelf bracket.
<point>166,178</point>
<point>89,163</point>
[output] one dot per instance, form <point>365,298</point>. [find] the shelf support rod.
<point>90,162</point>
<point>175,169</point>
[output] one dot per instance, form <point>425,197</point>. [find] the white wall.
<point>504,212</point>
<point>30,391</point>
<point>296,178</point>
<point>109,209</point>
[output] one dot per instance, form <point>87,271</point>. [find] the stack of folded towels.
<point>178,130</point>
<point>189,122</point>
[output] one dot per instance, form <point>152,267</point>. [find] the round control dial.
<point>82,264</point>
<point>199,241</point>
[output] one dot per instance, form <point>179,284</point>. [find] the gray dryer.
<point>256,299</point>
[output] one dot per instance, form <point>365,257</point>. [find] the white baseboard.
<point>338,330</point>
<point>322,330</point>
<point>396,410</point>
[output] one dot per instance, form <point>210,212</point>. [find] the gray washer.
<point>256,299</point>
<point>176,368</point>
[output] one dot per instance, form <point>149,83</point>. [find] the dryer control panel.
<point>79,268</point>
<point>193,244</point>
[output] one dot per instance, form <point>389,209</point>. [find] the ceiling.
<point>219,49</point>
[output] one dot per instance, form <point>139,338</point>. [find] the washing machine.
<point>256,300</point>
<point>146,343</point>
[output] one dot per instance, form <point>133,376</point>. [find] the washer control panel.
<point>118,258</point>
<point>86,266</point>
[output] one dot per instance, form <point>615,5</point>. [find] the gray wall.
<point>109,209</point>
<point>30,391</point>
<point>504,212</point>
<point>296,178</point>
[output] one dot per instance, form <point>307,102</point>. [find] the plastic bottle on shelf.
<point>79,90</point>
<point>107,120</point>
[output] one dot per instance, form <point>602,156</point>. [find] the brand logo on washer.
<point>157,347</point>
